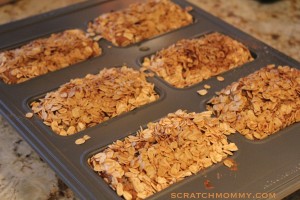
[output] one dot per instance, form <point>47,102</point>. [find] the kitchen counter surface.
<point>23,175</point>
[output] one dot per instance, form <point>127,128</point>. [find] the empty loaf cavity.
<point>85,102</point>
<point>190,61</point>
<point>140,21</point>
<point>175,147</point>
<point>45,55</point>
<point>261,103</point>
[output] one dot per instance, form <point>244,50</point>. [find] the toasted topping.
<point>190,61</point>
<point>45,55</point>
<point>140,21</point>
<point>261,103</point>
<point>165,152</point>
<point>85,102</point>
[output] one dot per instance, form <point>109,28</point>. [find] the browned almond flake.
<point>190,61</point>
<point>177,146</point>
<point>45,55</point>
<point>29,115</point>
<point>202,92</point>
<point>261,103</point>
<point>86,102</point>
<point>140,21</point>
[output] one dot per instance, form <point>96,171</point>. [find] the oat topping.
<point>220,78</point>
<point>86,137</point>
<point>202,92</point>
<point>261,103</point>
<point>228,163</point>
<point>231,164</point>
<point>46,55</point>
<point>82,140</point>
<point>165,152</point>
<point>29,115</point>
<point>207,86</point>
<point>140,21</point>
<point>85,102</point>
<point>190,61</point>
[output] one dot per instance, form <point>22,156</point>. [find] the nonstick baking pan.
<point>269,168</point>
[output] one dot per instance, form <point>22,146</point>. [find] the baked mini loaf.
<point>45,55</point>
<point>190,61</point>
<point>261,103</point>
<point>88,101</point>
<point>140,21</point>
<point>167,151</point>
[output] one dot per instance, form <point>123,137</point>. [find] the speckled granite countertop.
<point>23,175</point>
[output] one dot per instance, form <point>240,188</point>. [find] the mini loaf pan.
<point>269,168</point>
